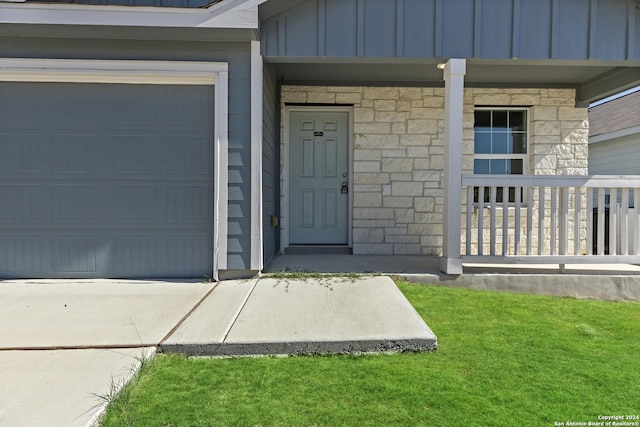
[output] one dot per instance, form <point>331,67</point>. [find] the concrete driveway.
<point>65,345</point>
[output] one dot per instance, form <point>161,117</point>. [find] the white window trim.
<point>150,72</point>
<point>525,156</point>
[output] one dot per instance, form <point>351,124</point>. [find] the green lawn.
<point>504,360</point>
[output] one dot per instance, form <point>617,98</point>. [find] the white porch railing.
<point>551,219</point>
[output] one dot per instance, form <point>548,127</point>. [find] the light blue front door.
<point>318,178</point>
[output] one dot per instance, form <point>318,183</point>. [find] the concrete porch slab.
<point>613,282</point>
<point>287,316</point>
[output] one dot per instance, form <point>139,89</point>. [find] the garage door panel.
<point>98,182</point>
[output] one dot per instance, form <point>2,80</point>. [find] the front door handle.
<point>345,188</point>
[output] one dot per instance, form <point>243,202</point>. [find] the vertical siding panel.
<point>555,24</point>
<point>419,28</point>
<point>340,16</point>
<point>437,42</point>
<point>593,28</point>
<point>477,28</point>
<point>322,27</point>
<point>494,34</point>
<point>534,17</point>
<point>457,28</point>
<point>612,27</point>
<point>379,28</point>
<point>515,29</point>
<point>631,30</point>
<point>360,30</point>
<point>573,29</point>
<point>400,27</point>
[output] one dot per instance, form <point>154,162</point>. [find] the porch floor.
<point>615,282</point>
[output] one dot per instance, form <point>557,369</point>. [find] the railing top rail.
<point>586,181</point>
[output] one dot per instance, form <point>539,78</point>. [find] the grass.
<point>504,360</point>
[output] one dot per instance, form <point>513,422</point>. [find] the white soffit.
<point>241,14</point>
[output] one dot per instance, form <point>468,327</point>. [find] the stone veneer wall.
<point>399,154</point>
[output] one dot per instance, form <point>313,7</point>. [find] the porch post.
<point>454,71</point>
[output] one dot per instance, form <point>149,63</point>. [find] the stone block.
<point>401,176</point>
<point>399,128</point>
<point>397,165</point>
<point>293,97</point>
<point>424,204</point>
<point>373,223</point>
<point>347,89</point>
<point>359,166</point>
<point>367,200</point>
<point>371,127</point>
<point>394,153</point>
<point>348,98</point>
<point>368,141</point>
<point>525,99</point>
<point>544,113</point>
<point>390,116</point>
<point>403,216</point>
<point>373,213</point>
<point>414,152</point>
<point>492,99</point>
<point>407,189</point>
<point>370,178</point>
<point>572,113</point>
<point>407,249</point>
<point>397,202</point>
<point>384,105</point>
<point>427,113</point>
<point>363,115</point>
<point>410,93</point>
<point>424,126</point>
<point>423,175</point>
<point>546,128</point>
<point>423,140</point>
<point>367,188</point>
<point>381,93</point>
<point>321,97</point>
<point>434,102</point>
<point>368,235</point>
<point>372,248</point>
<point>370,155</point>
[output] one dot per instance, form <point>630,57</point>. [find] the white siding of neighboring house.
<point>618,156</point>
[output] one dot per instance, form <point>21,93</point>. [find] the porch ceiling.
<point>592,80</point>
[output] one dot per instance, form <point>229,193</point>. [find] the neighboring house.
<point>614,136</point>
<point>185,138</point>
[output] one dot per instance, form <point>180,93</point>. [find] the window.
<point>500,145</point>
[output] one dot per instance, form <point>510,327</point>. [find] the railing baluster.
<point>577,211</point>
<point>613,219</point>
<point>480,220</point>
<point>492,221</point>
<point>553,215</point>
<point>624,220</point>
<point>636,222</point>
<point>505,221</point>
<point>541,195</point>
<point>601,214</point>
<point>469,215</point>
<point>564,220</point>
<point>589,221</point>
<point>516,242</point>
<point>529,219</point>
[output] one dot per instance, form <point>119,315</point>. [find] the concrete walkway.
<point>65,346</point>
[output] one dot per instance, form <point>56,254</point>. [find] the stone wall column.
<point>454,71</point>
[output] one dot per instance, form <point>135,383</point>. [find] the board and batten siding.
<point>236,54</point>
<point>270,164</point>
<point>496,29</point>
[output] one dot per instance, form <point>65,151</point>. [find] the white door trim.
<point>284,181</point>
<point>150,72</point>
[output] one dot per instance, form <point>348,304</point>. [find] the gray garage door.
<point>105,180</point>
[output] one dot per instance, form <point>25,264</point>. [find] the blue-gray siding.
<point>270,165</point>
<point>236,54</point>
<point>496,29</point>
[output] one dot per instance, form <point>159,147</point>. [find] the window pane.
<point>517,121</point>
<point>499,119</point>
<point>519,143</point>
<point>498,166</point>
<point>516,167</point>
<point>482,143</point>
<point>483,119</point>
<point>499,143</point>
<point>481,166</point>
